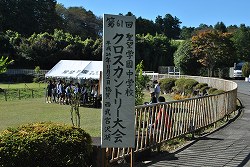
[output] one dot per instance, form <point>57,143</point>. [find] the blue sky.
<point>190,12</point>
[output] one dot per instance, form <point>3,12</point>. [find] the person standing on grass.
<point>84,94</point>
<point>54,91</point>
<point>157,90</point>
<point>50,87</point>
<point>69,90</point>
<point>60,92</point>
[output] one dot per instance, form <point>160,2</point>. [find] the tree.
<point>154,50</point>
<point>186,32</point>
<point>202,28</point>
<point>185,60</point>
<point>4,62</point>
<point>220,26</point>
<point>169,25</point>
<point>232,28</point>
<point>214,50</point>
<point>140,84</point>
<point>79,21</point>
<point>241,38</point>
<point>246,69</point>
<point>6,48</point>
<point>28,16</point>
<point>144,26</point>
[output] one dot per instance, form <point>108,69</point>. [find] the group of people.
<point>64,92</point>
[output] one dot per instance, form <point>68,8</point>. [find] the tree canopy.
<point>29,16</point>
<point>241,39</point>
<point>79,21</point>
<point>185,59</point>
<point>169,26</point>
<point>214,49</point>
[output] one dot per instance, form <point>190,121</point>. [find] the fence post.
<point>104,159</point>
<point>19,94</point>
<point>132,157</point>
<point>5,94</point>
<point>32,93</point>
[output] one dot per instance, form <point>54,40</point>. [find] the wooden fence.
<point>23,93</point>
<point>25,71</point>
<point>157,123</point>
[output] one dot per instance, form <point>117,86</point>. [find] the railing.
<point>157,123</point>
<point>25,71</point>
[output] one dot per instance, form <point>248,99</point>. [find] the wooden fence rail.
<point>157,123</point>
<point>17,93</point>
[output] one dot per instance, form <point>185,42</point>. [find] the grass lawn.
<point>17,112</point>
<point>147,96</point>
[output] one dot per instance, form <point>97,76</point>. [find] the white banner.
<point>118,96</point>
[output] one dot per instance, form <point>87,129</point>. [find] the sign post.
<point>118,95</point>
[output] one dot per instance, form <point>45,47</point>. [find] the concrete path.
<point>227,147</point>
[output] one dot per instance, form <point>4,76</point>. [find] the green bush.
<point>179,84</point>
<point>216,92</point>
<point>204,89</point>
<point>200,85</point>
<point>45,145</point>
<point>167,84</point>
<point>246,69</point>
<point>38,79</point>
<point>185,86</point>
<point>211,90</point>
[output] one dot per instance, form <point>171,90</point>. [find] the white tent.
<point>76,69</point>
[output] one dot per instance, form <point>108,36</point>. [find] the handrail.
<point>157,123</point>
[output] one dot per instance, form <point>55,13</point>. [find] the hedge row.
<point>187,87</point>
<point>45,144</point>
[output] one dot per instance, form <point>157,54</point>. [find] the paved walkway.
<point>227,147</point>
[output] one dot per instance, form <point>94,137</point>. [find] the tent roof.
<point>76,69</point>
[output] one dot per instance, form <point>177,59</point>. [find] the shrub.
<point>179,85</point>
<point>45,145</point>
<point>204,89</point>
<point>38,79</point>
<point>167,84</point>
<point>246,69</point>
<point>211,90</point>
<point>200,85</point>
<point>185,85</point>
<point>216,92</point>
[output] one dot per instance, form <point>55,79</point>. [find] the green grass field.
<point>15,112</point>
<point>18,112</point>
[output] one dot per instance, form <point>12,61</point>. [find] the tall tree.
<point>154,50</point>
<point>202,28</point>
<point>214,49</point>
<point>186,32</point>
<point>241,38</point>
<point>144,26</point>
<point>232,28</point>
<point>28,16</point>
<point>220,26</point>
<point>186,60</point>
<point>169,25</point>
<point>79,21</point>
